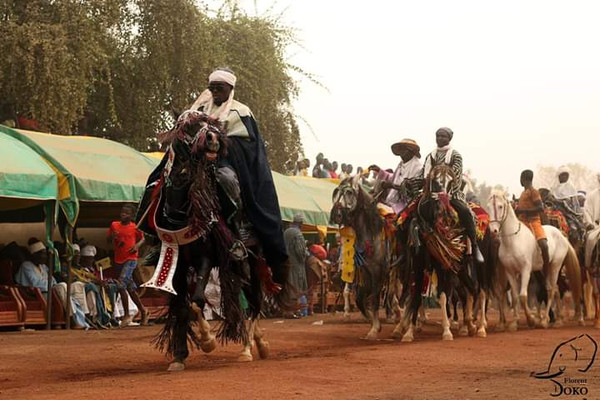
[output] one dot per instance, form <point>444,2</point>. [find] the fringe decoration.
<point>164,341</point>
<point>233,327</point>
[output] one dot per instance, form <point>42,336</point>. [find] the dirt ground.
<point>308,361</point>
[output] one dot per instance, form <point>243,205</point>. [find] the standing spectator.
<point>333,171</point>
<point>343,173</point>
<point>326,170</point>
<point>316,172</point>
<point>349,169</point>
<point>127,240</point>
<point>296,249</point>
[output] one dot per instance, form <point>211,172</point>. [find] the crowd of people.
<point>99,297</point>
<point>324,168</point>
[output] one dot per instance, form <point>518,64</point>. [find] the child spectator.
<point>126,240</point>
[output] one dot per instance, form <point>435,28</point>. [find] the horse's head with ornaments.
<point>347,198</point>
<point>203,135</point>
<point>500,210</point>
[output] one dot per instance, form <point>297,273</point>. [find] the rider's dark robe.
<point>247,156</point>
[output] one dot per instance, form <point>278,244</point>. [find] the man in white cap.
<point>565,191</point>
<point>409,168</point>
<point>568,199</point>
<point>245,174</point>
<point>34,273</point>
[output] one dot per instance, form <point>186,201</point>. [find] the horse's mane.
<point>498,193</point>
<point>372,221</point>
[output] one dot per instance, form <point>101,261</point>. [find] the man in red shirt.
<point>126,240</point>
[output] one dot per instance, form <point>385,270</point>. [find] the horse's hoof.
<point>176,366</point>
<point>408,338</point>
<point>397,334</point>
<point>464,331</point>
<point>419,327</point>
<point>454,325</point>
<point>559,323</point>
<point>472,330</point>
<point>208,346</point>
<point>346,316</point>
<point>481,333</point>
<point>447,337</point>
<point>263,349</point>
<point>500,328</point>
<point>245,357</point>
<point>513,326</point>
<point>372,336</point>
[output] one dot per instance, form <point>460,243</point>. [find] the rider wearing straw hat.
<point>409,167</point>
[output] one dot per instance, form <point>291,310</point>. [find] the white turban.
<point>563,169</point>
<point>36,247</point>
<point>76,247</point>
<point>88,251</point>
<point>222,76</point>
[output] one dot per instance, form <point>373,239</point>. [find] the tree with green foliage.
<point>118,68</point>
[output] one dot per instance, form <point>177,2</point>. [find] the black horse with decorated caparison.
<point>194,207</point>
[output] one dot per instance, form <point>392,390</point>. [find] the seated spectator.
<point>83,271</point>
<point>34,273</point>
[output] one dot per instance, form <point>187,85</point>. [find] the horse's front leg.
<point>259,338</point>
<point>346,294</point>
<point>482,322</point>
<point>514,324</point>
<point>502,309</point>
<point>447,334</point>
<point>525,275</point>
<point>247,342</point>
<point>469,314</point>
<point>374,316</point>
<point>208,342</point>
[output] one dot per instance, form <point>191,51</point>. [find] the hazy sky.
<point>517,81</point>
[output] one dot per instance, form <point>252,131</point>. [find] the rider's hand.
<point>387,185</point>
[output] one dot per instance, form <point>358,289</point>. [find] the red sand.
<point>307,362</point>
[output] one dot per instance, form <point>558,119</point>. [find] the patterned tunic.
<point>440,157</point>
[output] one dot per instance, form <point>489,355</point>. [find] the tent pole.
<point>69,238</point>
<point>49,292</point>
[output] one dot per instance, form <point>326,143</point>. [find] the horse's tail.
<point>573,270</point>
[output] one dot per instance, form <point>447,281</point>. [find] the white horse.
<point>519,255</point>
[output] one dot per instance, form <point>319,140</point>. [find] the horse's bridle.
<point>502,220</point>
